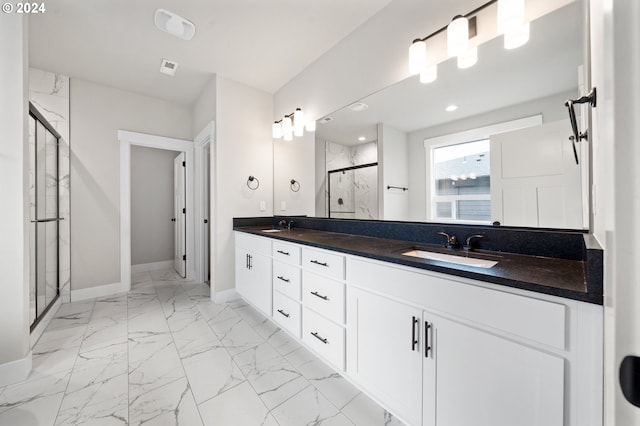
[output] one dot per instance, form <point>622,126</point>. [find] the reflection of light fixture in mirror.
<point>451,108</point>
<point>511,22</point>
<point>458,36</point>
<point>418,62</point>
<point>292,124</point>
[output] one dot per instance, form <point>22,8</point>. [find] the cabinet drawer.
<point>323,295</point>
<point>287,313</point>
<point>261,245</point>
<point>323,262</point>
<point>286,252</point>
<point>325,337</point>
<point>286,279</point>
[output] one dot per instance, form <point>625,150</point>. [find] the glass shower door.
<point>43,188</point>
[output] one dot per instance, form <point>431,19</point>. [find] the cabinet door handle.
<point>317,262</point>
<point>283,313</point>
<point>315,293</point>
<point>317,336</point>
<point>250,263</point>
<point>414,333</point>
<point>246,261</point>
<point>428,337</point>
<point>286,253</point>
<point>283,279</point>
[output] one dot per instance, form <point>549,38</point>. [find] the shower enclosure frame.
<point>342,170</point>
<point>39,118</point>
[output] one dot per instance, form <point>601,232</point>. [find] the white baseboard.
<point>154,266</point>
<point>15,371</point>
<point>44,322</point>
<point>98,291</point>
<point>225,296</point>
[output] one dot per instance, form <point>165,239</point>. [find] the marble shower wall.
<point>354,193</point>
<point>49,92</point>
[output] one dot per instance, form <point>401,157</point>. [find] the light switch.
<point>283,206</point>
<point>263,206</point>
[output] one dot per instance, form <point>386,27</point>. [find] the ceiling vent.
<point>174,24</point>
<point>325,120</point>
<point>168,67</point>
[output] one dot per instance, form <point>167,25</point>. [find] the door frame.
<point>205,137</point>
<point>127,139</point>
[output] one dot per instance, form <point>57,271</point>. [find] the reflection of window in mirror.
<point>461,182</point>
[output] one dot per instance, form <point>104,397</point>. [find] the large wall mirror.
<point>485,145</point>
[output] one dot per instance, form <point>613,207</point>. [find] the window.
<point>461,182</point>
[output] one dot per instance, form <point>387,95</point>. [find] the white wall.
<point>244,147</point>
<point>393,169</point>
<point>97,112</point>
<point>204,108</point>
<point>292,158</point>
<point>551,107</point>
<point>615,66</point>
<point>15,359</point>
<point>152,238</point>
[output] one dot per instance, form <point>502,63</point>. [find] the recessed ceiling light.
<point>362,138</point>
<point>168,67</point>
<point>174,24</point>
<point>358,106</point>
<point>451,108</point>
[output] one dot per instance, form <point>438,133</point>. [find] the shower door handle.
<point>53,219</point>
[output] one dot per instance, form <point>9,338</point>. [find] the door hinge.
<point>184,211</point>
<point>206,221</point>
<point>184,257</point>
<point>184,164</point>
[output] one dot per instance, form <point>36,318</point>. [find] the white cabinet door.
<point>253,278</point>
<point>384,351</point>
<point>485,380</point>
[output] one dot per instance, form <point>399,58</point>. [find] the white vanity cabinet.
<point>253,270</point>
<point>287,286</point>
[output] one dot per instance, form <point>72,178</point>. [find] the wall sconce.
<point>292,125</point>
<point>511,23</point>
<point>294,185</point>
<point>250,183</point>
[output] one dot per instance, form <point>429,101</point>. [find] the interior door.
<point>180,223</point>
<point>534,178</point>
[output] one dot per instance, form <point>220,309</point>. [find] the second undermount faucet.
<point>453,243</point>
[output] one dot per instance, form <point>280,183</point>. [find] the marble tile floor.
<point>164,354</point>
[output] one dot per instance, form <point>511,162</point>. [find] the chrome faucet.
<point>290,225</point>
<point>282,223</point>
<point>452,240</point>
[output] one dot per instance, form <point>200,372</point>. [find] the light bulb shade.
<point>287,125</point>
<point>458,36</point>
<point>288,136</point>
<point>276,130</point>
<point>311,126</point>
<point>417,57</point>
<point>510,15</point>
<point>429,74</point>
<point>468,58</point>
<point>298,122</point>
<point>516,37</point>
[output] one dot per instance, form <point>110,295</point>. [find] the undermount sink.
<point>272,230</point>
<point>459,260</point>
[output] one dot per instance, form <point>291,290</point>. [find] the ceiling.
<point>262,44</point>
<point>545,66</point>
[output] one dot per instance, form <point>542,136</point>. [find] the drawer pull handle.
<point>414,334</point>
<point>317,336</point>
<point>283,279</point>
<point>286,253</point>
<point>283,313</point>
<point>427,338</point>
<point>315,293</point>
<point>317,262</point>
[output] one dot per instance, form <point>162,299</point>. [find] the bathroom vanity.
<point>437,342</point>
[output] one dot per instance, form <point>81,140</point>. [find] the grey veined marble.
<point>165,354</point>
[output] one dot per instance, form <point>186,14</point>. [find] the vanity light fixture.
<point>292,125</point>
<point>511,23</point>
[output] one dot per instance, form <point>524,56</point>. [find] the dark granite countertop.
<point>548,275</point>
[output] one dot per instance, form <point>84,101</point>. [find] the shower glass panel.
<point>353,192</point>
<point>44,212</point>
